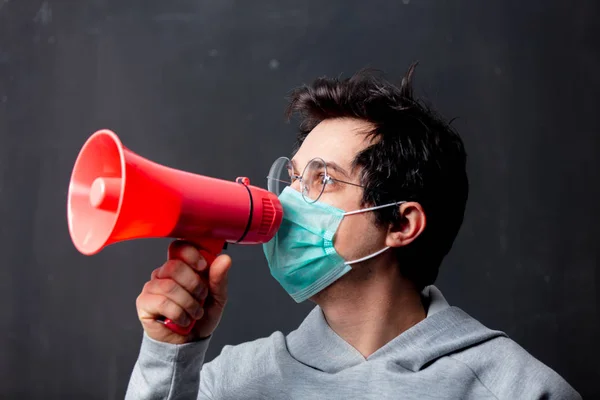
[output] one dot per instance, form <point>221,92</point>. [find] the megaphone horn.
<point>117,195</point>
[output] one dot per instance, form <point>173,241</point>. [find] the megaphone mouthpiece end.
<point>105,193</point>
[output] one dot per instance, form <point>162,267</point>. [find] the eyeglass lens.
<point>280,175</point>
<point>312,182</point>
<point>313,179</point>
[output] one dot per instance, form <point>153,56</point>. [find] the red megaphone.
<point>116,195</point>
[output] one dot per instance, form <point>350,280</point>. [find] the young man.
<point>373,200</point>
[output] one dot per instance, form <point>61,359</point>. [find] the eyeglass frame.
<point>294,177</point>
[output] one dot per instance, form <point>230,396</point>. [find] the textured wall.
<point>200,86</point>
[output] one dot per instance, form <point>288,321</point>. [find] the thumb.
<point>217,279</point>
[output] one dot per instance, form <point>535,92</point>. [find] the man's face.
<point>337,142</point>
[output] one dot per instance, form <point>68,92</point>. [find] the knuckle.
<point>177,245</point>
<point>203,291</point>
<point>163,305</point>
<point>139,301</point>
<point>192,308</point>
<point>179,316</point>
<point>190,253</point>
<point>198,289</point>
<point>197,310</point>
<point>182,248</point>
<point>147,286</point>
<point>172,267</point>
<point>196,283</point>
<point>168,286</point>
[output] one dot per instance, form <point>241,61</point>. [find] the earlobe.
<point>412,223</point>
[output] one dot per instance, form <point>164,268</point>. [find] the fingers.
<point>152,305</point>
<point>172,297</point>
<point>217,279</point>
<point>188,253</point>
<point>184,276</point>
<point>176,287</point>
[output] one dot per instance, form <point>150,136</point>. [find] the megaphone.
<point>116,195</point>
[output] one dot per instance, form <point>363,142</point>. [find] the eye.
<point>293,177</point>
<point>320,177</point>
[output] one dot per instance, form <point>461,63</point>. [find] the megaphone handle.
<point>209,249</point>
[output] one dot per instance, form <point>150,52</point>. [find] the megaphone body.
<point>116,195</point>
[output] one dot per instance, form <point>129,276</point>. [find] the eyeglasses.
<point>313,180</point>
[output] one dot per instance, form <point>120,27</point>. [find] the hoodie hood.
<point>445,330</point>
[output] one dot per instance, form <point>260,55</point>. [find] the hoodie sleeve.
<point>167,371</point>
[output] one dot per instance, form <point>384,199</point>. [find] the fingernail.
<point>201,264</point>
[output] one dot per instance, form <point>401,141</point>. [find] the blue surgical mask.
<point>301,255</point>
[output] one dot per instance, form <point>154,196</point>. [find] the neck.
<point>369,311</point>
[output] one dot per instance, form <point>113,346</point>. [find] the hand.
<point>182,289</point>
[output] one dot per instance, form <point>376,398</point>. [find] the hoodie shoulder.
<point>237,366</point>
<point>249,356</point>
<point>508,371</point>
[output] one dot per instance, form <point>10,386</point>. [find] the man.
<point>373,200</point>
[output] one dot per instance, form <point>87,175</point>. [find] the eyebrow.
<point>330,164</point>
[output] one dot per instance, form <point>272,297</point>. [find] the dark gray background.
<point>201,86</point>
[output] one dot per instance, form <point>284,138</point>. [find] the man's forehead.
<point>336,141</point>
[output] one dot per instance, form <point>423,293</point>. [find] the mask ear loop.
<point>373,208</point>
<point>366,210</point>
<point>367,257</point>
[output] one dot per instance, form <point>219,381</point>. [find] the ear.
<point>411,225</point>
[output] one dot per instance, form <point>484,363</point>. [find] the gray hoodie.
<point>448,355</point>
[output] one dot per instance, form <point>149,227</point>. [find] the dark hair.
<point>416,156</point>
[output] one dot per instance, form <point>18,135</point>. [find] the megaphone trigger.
<point>178,329</point>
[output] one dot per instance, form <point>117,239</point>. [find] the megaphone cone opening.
<point>95,192</point>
